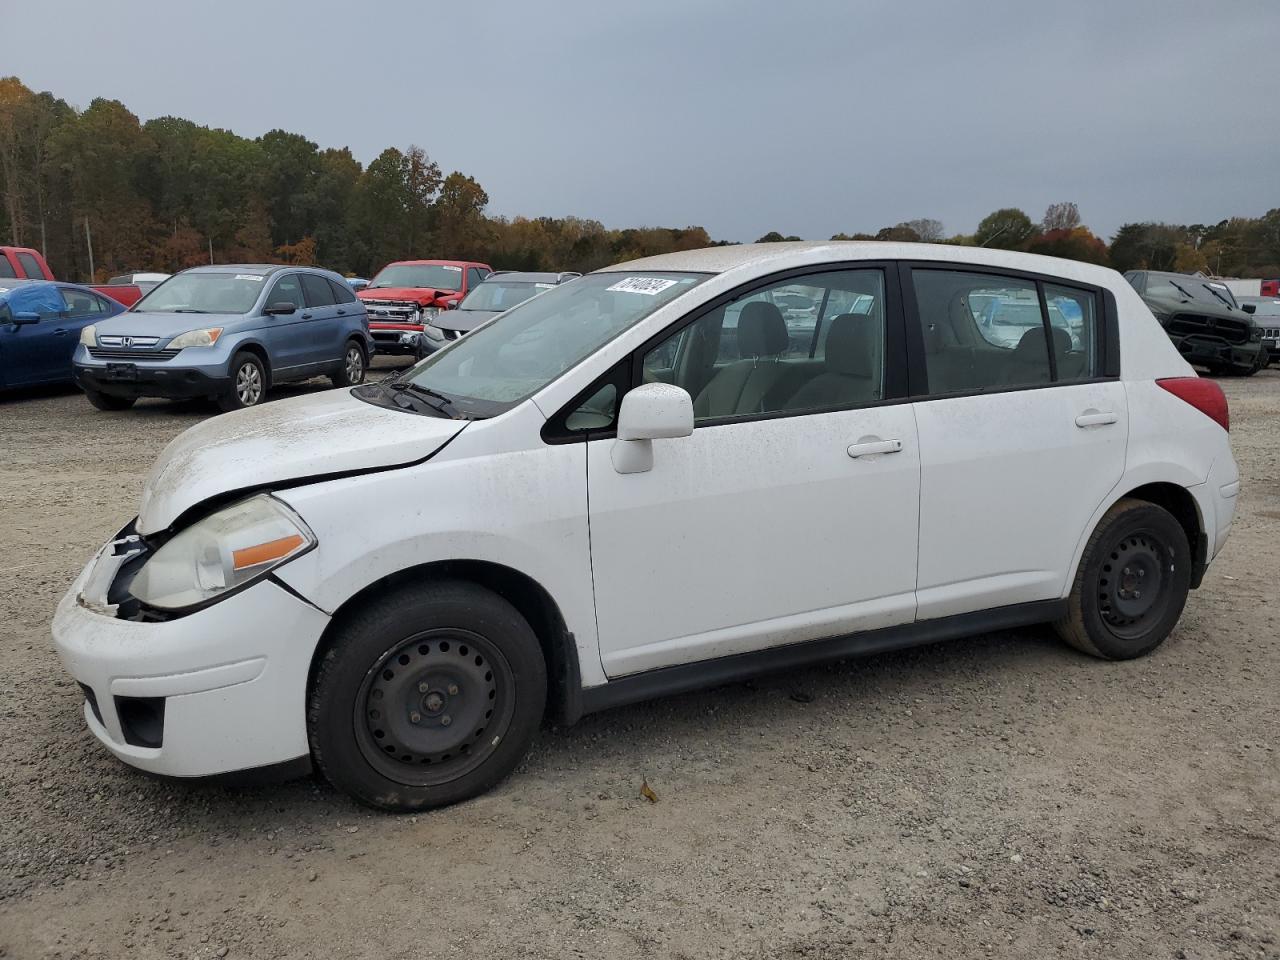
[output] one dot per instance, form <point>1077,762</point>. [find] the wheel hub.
<point>431,707</point>
<point>1131,589</point>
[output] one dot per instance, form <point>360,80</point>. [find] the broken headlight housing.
<point>222,553</point>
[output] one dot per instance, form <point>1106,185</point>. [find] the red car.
<point>405,295</point>
<point>23,263</point>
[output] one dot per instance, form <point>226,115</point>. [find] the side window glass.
<point>44,300</point>
<point>287,290</point>
<point>760,355</point>
<point>597,412</point>
<point>80,303</point>
<point>6,268</point>
<point>316,289</point>
<point>1073,318</point>
<point>341,292</point>
<point>981,332</point>
<point>30,266</point>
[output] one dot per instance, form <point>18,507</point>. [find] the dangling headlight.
<point>221,553</point>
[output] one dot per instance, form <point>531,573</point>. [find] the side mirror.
<point>25,318</point>
<point>280,308</point>
<point>653,411</point>
<point>1249,307</point>
<point>451,305</point>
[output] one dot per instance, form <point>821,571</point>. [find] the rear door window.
<point>82,303</point>
<point>6,268</point>
<point>31,266</point>
<point>316,290</point>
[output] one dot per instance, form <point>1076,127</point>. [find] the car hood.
<point>304,438</point>
<point>415,294</point>
<point>164,325</point>
<point>1170,305</point>
<point>464,320</point>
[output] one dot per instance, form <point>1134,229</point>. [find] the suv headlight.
<point>223,552</point>
<point>196,338</point>
<point>89,336</point>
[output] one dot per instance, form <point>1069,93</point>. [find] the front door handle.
<point>1095,418</point>
<point>306,316</point>
<point>59,332</point>
<point>871,447</point>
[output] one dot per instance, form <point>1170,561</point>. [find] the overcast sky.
<point>742,116</point>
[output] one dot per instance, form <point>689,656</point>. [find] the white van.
<point>644,482</point>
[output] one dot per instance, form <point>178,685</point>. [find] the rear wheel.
<point>248,383</point>
<point>104,401</point>
<point>1131,585</point>
<point>353,366</point>
<point>427,696</point>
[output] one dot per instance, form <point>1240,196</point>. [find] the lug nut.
<point>453,689</point>
<point>423,688</point>
<point>415,717</point>
<point>446,720</point>
<point>1137,594</point>
<point>1141,573</point>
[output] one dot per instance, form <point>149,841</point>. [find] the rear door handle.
<point>306,316</point>
<point>1095,418</point>
<point>59,332</point>
<point>872,447</point>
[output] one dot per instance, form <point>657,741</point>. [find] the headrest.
<point>1031,348</point>
<point>761,331</point>
<point>851,345</point>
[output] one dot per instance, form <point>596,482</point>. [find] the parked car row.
<point>23,263</point>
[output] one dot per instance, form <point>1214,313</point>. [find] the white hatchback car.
<point>644,482</point>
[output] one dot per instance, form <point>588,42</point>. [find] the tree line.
<point>169,193</point>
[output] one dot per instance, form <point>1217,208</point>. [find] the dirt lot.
<point>1002,796</point>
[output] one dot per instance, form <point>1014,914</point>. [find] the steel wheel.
<point>434,707</point>
<point>1131,590</point>
<point>248,383</point>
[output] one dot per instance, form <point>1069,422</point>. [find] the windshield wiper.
<point>1217,294</point>
<point>187,310</point>
<point>1185,292</point>
<point>436,401</point>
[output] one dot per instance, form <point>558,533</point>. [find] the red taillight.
<point>1205,395</point>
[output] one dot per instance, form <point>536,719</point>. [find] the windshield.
<point>436,276</point>
<point>498,295</point>
<point>204,293</point>
<point>519,353</point>
<point>1189,288</point>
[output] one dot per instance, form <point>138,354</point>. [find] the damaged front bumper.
<point>219,690</point>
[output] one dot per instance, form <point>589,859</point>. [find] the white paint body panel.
<point>329,432</point>
<point>748,535</point>
<point>740,537</point>
<point>1008,482</point>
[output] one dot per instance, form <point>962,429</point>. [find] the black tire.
<point>352,367</point>
<point>248,382</point>
<point>1136,547</point>
<point>427,695</point>
<point>104,401</point>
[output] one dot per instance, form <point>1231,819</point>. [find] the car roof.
<point>257,269</point>
<point>759,258</point>
<point>432,263</point>
<point>525,276</point>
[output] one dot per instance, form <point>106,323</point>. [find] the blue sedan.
<point>40,324</point>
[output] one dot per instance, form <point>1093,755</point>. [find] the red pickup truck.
<point>405,295</point>
<point>23,263</point>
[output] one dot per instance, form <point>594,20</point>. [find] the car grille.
<point>1195,324</point>
<point>391,311</point>
<point>1271,333</point>
<point>124,353</point>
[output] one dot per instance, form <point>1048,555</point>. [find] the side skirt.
<point>669,681</point>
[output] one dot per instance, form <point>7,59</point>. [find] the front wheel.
<point>426,696</point>
<point>1132,583</point>
<point>353,367</point>
<point>248,383</point>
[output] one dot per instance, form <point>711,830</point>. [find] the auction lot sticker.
<point>649,286</point>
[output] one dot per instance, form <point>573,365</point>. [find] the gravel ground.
<point>995,797</point>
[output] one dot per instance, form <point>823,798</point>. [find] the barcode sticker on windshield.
<point>646,285</point>
<point>453,269</point>
<point>249,276</point>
